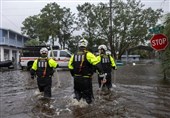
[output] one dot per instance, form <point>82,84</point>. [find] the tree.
<point>53,22</point>
<point>31,26</point>
<point>32,42</point>
<point>89,17</point>
<point>73,43</point>
<point>130,24</point>
<point>66,28</point>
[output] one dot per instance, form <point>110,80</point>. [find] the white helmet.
<point>102,47</point>
<point>44,51</point>
<point>83,43</point>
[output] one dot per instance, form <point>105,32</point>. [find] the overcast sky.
<point>13,12</point>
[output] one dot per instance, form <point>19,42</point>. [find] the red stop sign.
<point>159,42</point>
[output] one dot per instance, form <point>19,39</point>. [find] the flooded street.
<point>139,92</point>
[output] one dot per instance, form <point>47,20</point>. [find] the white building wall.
<point>18,54</point>
<point>10,52</point>
<point>2,53</point>
<point>10,48</point>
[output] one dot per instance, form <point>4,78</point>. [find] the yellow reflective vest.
<point>113,64</point>
<point>91,58</point>
<point>52,63</point>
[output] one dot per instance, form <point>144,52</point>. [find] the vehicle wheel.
<point>22,68</point>
<point>29,67</point>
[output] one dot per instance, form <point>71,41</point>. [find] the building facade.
<point>130,58</point>
<point>11,43</point>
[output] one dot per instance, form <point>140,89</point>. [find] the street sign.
<point>156,30</point>
<point>159,42</point>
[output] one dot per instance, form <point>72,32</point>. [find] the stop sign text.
<point>159,42</point>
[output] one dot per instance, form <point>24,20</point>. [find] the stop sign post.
<point>159,42</point>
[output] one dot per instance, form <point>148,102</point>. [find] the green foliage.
<point>66,27</point>
<point>166,54</point>
<point>94,22</point>
<point>32,42</point>
<point>51,16</point>
<point>144,54</point>
<point>130,24</point>
<point>73,43</point>
<point>31,25</point>
<point>53,22</point>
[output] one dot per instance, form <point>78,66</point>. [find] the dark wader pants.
<point>83,89</point>
<point>44,85</point>
<point>108,83</point>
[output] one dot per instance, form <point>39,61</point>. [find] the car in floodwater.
<point>7,63</point>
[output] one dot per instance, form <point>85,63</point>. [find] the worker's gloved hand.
<point>114,68</point>
<point>32,76</point>
<point>103,80</point>
<point>32,73</point>
<point>54,59</point>
<point>102,75</point>
<point>72,72</point>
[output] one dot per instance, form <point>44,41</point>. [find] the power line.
<point>11,22</point>
<point>162,2</point>
<point>8,9</point>
<point>22,15</point>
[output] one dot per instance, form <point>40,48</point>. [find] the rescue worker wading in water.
<point>81,66</point>
<point>108,64</point>
<point>43,68</point>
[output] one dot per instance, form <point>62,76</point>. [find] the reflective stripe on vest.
<point>78,58</point>
<point>42,64</point>
<point>105,60</point>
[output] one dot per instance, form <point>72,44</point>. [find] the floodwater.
<point>139,92</point>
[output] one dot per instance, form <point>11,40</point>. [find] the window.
<point>64,54</point>
<point>55,53</point>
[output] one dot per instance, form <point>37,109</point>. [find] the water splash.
<point>74,102</point>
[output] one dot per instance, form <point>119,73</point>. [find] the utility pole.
<point>110,28</point>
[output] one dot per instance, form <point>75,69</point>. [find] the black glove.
<point>32,72</point>
<point>32,76</point>
<point>114,68</point>
<point>72,72</point>
<point>99,68</point>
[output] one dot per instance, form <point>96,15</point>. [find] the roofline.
<point>3,45</point>
<point>13,31</point>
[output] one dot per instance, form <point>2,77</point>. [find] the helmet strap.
<point>82,48</point>
<point>43,55</point>
<point>102,51</point>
